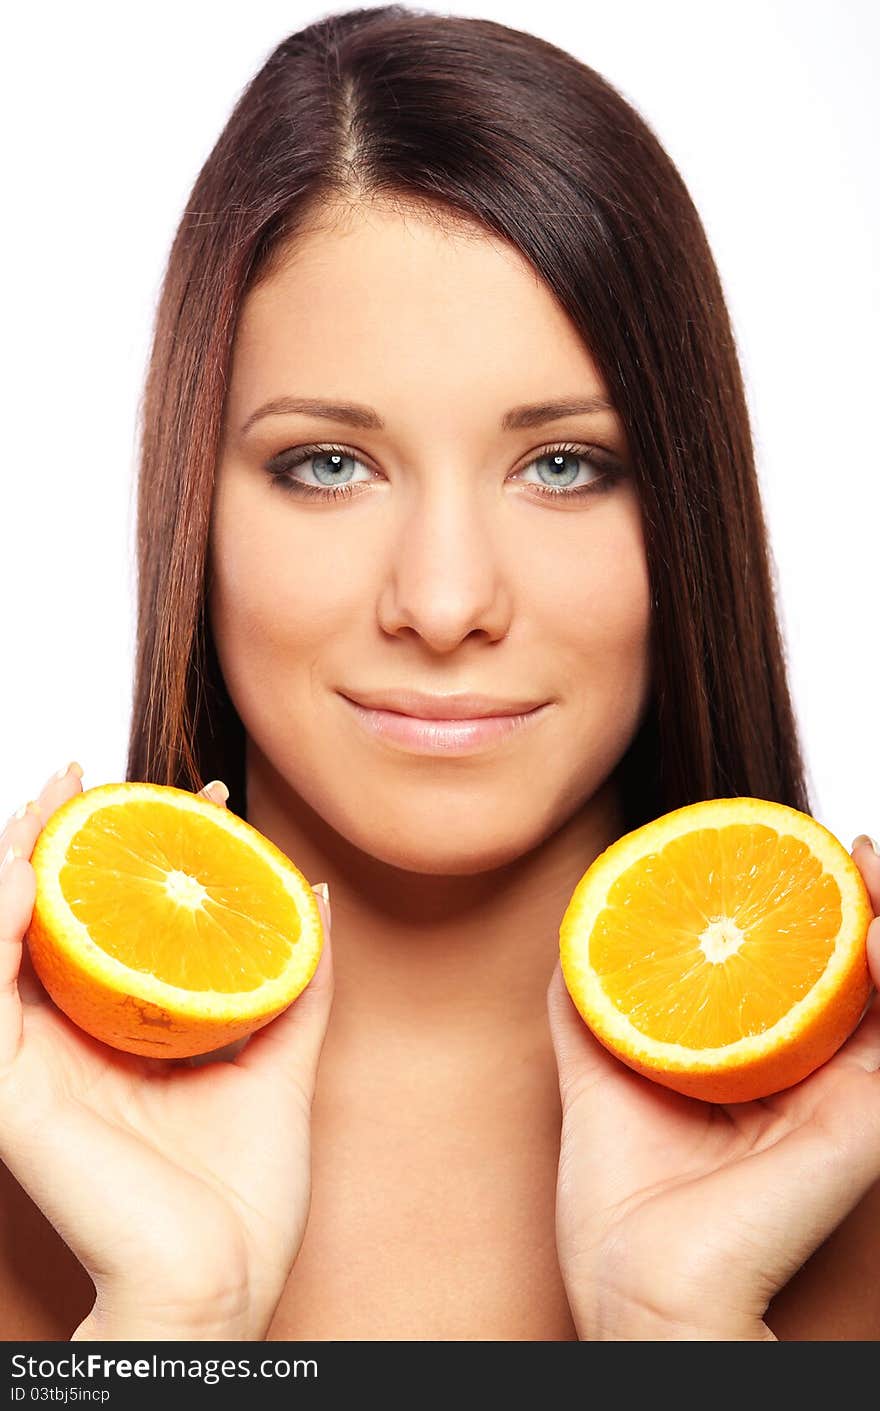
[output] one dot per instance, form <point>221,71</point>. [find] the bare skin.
<point>436,1117</point>
<point>444,571</point>
<point>145,1166</point>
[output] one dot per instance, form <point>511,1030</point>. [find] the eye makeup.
<point>281,466</point>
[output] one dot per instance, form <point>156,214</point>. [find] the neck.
<point>443,950</point>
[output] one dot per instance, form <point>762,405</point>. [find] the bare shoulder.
<point>44,1291</point>
<point>835,1296</point>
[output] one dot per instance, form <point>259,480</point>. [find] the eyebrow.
<point>531,414</point>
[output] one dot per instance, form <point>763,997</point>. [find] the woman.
<point>443,403</point>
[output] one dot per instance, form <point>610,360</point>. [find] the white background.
<point>768,107</point>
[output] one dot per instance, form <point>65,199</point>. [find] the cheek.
<point>596,597</point>
<point>596,609</point>
<point>275,592</point>
<point>613,621</point>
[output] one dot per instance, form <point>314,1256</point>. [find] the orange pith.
<point>165,925</point>
<point>720,949</point>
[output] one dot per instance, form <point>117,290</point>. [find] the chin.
<point>449,857</point>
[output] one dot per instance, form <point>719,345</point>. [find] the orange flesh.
<point>126,899</point>
<point>652,942</point>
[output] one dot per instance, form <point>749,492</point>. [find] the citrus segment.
<point>720,949</point>
<point>165,925</point>
<point>122,873</point>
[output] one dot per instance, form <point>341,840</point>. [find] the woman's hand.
<point>682,1219</point>
<point>181,1187</point>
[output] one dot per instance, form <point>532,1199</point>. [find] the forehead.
<point>373,294</point>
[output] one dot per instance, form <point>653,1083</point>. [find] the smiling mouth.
<point>423,735</point>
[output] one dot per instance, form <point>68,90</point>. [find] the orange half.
<point>721,948</point>
<point>166,925</point>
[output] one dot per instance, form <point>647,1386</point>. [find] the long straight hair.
<point>476,122</point>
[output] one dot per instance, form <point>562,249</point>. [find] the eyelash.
<point>280,466</point>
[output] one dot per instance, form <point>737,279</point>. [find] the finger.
<point>610,1113</point>
<point>215,792</point>
<point>583,1062</point>
<point>868,863</point>
<point>18,979</point>
<point>57,790</point>
<point>30,986</point>
<point>23,827</point>
<point>862,1048</point>
<point>873,944</point>
<point>17,895</point>
<point>290,1045</point>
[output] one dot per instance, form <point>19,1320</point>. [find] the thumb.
<point>583,1062</point>
<point>606,1108</point>
<point>215,792</point>
<point>289,1046</point>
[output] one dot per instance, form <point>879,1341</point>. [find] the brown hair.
<point>489,125</point>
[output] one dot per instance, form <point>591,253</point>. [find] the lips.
<point>437,706</point>
<point>449,735</point>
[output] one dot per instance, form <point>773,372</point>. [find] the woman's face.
<point>459,558</point>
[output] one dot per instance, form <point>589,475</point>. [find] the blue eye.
<point>331,464</point>
<point>562,464</point>
<point>329,469</point>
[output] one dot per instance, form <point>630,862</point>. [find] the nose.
<point>445,578</point>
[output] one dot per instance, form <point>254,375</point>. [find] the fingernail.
<point>214,791</point>
<point>323,890</point>
<point>73,767</point>
<point>10,856</point>
<point>866,838</point>
<point>20,812</point>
